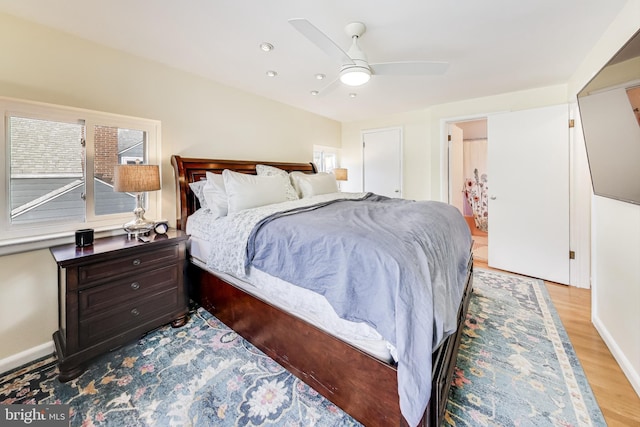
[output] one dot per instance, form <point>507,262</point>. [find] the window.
<point>58,174</point>
<point>46,170</point>
<point>325,158</point>
<point>114,146</point>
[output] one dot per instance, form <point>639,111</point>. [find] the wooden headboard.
<point>187,170</point>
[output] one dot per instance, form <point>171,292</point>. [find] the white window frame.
<point>326,150</point>
<point>21,237</point>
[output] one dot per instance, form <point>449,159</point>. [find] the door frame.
<point>579,204</point>
<point>445,191</point>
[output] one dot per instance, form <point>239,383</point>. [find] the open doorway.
<point>469,179</point>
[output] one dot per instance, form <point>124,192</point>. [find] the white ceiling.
<point>493,46</point>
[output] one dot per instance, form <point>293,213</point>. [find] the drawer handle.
<point>136,261</point>
<point>135,286</point>
<point>135,312</point>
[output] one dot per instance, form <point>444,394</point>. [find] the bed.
<point>356,379</point>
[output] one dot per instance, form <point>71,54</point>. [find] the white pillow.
<point>313,185</point>
<point>249,191</point>
<point>266,170</point>
<point>215,194</point>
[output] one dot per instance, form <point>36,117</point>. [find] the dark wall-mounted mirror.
<point>610,114</point>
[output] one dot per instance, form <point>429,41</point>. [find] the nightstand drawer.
<point>130,264</point>
<point>128,316</point>
<point>135,287</point>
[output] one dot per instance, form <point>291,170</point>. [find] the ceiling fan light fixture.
<point>355,76</point>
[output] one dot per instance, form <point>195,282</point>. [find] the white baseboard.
<point>625,365</point>
<point>24,357</point>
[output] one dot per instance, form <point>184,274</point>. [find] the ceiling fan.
<point>355,70</point>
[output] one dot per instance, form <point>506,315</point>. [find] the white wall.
<point>615,235</point>
<point>425,154</point>
<point>616,277</point>
<point>199,118</point>
<point>480,107</point>
<point>425,140</point>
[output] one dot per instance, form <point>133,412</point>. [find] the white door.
<point>528,163</point>
<point>382,161</point>
<point>456,167</point>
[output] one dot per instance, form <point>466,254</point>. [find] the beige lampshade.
<point>341,174</point>
<point>136,178</point>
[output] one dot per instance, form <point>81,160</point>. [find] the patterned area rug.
<point>516,367</point>
<point>202,374</point>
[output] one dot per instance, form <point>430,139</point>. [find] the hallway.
<point>480,241</point>
<point>481,247</point>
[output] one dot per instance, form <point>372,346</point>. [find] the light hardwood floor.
<point>618,401</point>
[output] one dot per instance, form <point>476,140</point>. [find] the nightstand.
<point>115,291</point>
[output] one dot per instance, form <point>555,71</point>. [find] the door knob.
<point>492,197</point>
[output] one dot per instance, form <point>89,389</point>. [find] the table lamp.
<point>137,179</point>
<point>341,174</point>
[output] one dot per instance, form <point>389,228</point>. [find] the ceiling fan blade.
<point>329,88</point>
<point>321,40</point>
<point>420,68</point>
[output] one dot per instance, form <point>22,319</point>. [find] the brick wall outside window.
<point>106,152</point>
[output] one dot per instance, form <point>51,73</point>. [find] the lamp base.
<point>138,227</point>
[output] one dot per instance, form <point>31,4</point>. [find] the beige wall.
<point>28,302</point>
<point>415,129</point>
<point>199,118</point>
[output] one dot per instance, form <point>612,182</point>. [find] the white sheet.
<point>300,302</point>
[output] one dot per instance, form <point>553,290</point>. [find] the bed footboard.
<point>359,384</point>
<point>444,360</point>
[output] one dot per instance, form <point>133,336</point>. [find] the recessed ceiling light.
<point>271,73</point>
<point>314,93</point>
<point>267,47</point>
<point>320,76</point>
<point>353,95</point>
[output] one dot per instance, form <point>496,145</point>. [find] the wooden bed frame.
<point>361,385</point>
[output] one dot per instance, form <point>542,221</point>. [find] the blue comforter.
<point>398,265</point>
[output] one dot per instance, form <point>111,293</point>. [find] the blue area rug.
<point>516,367</point>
